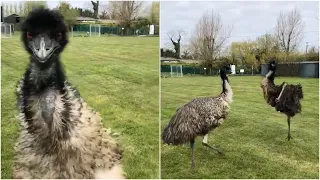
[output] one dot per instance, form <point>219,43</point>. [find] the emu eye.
<point>58,36</point>
<point>29,35</point>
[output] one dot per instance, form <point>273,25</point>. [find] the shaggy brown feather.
<point>89,150</point>
<point>197,117</point>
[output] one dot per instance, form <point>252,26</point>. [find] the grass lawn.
<point>253,137</point>
<point>117,76</point>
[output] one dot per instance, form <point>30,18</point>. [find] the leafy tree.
<point>245,53</point>
<point>125,11</point>
<point>154,13</point>
<point>69,13</point>
<point>28,6</point>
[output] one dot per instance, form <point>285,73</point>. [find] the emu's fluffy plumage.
<point>198,117</point>
<point>284,98</point>
<point>60,135</point>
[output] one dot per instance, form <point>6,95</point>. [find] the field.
<point>117,76</point>
<point>253,137</point>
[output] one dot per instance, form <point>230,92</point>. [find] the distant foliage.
<point>69,13</point>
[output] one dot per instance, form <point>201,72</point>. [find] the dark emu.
<point>61,137</point>
<point>285,98</point>
<point>198,117</point>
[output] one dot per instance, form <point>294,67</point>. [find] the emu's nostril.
<point>47,49</point>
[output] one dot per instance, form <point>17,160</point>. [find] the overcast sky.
<point>83,4</point>
<point>249,19</point>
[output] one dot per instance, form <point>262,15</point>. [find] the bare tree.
<point>289,30</point>
<point>175,37</point>
<point>125,12</point>
<point>104,14</point>
<point>95,7</point>
<point>209,38</point>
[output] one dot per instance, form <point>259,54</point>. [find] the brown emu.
<point>198,117</point>
<point>61,137</point>
<point>285,98</point>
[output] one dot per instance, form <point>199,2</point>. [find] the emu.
<point>285,98</point>
<point>198,117</point>
<point>61,137</point>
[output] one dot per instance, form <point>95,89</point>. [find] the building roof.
<point>82,18</point>
<point>13,15</point>
<point>109,21</point>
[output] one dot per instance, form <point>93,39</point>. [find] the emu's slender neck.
<point>270,75</point>
<point>226,93</point>
<point>41,76</point>
<point>224,88</point>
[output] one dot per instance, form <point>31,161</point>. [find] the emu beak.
<point>43,47</point>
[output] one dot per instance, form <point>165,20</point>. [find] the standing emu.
<point>60,135</point>
<point>284,98</point>
<point>198,117</point>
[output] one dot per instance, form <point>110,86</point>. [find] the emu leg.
<point>205,143</point>
<point>289,136</point>
<point>192,156</point>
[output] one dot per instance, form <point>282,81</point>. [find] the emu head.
<point>272,65</point>
<point>44,35</point>
<point>224,71</point>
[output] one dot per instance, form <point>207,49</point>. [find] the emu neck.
<point>45,106</point>
<point>226,91</point>
<point>40,77</point>
<point>270,75</point>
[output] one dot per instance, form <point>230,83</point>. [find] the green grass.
<point>117,76</point>
<point>253,136</point>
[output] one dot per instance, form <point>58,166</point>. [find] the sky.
<point>249,19</point>
<point>83,4</point>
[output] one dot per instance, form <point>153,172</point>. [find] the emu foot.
<point>289,137</point>
<point>216,148</point>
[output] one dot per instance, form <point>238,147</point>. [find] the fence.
<point>85,29</point>
<point>6,30</point>
<point>296,69</point>
<point>199,70</point>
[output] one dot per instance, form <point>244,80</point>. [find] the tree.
<point>266,46</point>
<point>20,8</point>
<point>16,8</point>
<point>95,9</point>
<point>125,11</point>
<point>6,10</point>
<point>104,12</point>
<point>245,52</point>
<point>209,38</point>
<point>68,13</point>
<point>175,38</point>
<point>28,6</point>
<point>289,30</point>
<point>12,8</point>
<point>312,49</point>
<point>85,12</point>
<point>154,13</point>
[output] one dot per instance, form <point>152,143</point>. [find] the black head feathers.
<point>41,19</point>
<point>272,65</point>
<point>224,71</point>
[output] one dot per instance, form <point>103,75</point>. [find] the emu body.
<point>61,137</point>
<point>285,98</point>
<point>198,117</point>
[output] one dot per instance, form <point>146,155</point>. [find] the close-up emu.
<point>285,98</point>
<point>60,135</point>
<point>198,117</point>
